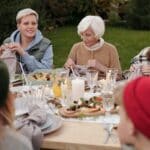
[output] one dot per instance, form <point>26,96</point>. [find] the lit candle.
<point>78,87</point>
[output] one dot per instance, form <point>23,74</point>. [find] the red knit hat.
<point>136,99</point>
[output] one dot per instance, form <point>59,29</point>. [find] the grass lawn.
<point>128,42</point>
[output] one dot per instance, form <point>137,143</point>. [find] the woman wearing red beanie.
<point>134,127</point>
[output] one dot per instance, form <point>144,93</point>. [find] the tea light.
<point>78,88</point>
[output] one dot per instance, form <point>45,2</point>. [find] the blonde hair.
<point>96,23</point>
<point>25,12</point>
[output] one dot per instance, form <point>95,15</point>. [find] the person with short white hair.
<point>32,49</point>
<point>26,12</point>
<point>96,23</point>
<point>93,51</point>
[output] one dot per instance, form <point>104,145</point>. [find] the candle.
<point>78,87</point>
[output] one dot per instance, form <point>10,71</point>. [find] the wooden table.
<point>79,136</point>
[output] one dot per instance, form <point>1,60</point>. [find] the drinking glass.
<point>66,94</point>
<point>111,74</point>
<point>92,77</point>
<point>111,77</point>
<point>108,102</point>
<point>9,58</point>
<point>108,105</point>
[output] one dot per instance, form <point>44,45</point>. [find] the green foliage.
<point>8,13</point>
<point>113,18</point>
<point>138,15</point>
<point>55,13</point>
<point>9,9</point>
<point>71,11</point>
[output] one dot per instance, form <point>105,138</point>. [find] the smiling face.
<point>89,38</point>
<point>28,26</point>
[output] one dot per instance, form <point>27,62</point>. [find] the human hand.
<point>145,69</point>
<point>132,67</point>
<point>95,64</point>
<point>69,63</point>
<point>15,47</point>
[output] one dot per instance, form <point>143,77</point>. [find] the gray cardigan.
<point>12,140</point>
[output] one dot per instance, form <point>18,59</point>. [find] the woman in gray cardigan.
<point>9,138</point>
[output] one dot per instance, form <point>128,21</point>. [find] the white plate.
<point>49,122</point>
<point>23,88</point>
<point>57,123</point>
<point>40,81</point>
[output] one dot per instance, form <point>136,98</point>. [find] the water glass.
<point>92,77</point>
<point>66,94</point>
<point>111,77</point>
<point>108,101</point>
<point>111,74</point>
<point>10,60</point>
<point>11,65</point>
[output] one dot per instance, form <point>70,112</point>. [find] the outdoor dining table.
<point>77,135</point>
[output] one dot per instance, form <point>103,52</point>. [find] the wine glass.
<point>111,77</point>
<point>92,77</point>
<point>66,92</point>
<point>108,105</point>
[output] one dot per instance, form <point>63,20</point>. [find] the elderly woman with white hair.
<point>93,51</point>
<point>32,49</point>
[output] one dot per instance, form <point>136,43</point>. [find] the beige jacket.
<point>107,55</point>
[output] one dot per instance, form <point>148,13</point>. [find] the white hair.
<point>25,12</point>
<point>95,22</point>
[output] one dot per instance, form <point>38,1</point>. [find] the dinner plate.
<point>49,122</point>
<point>57,123</point>
<point>41,75</point>
<point>18,77</point>
<point>24,88</point>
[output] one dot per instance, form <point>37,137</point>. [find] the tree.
<point>138,15</point>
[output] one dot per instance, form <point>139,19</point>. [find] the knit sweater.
<point>11,140</point>
<point>107,55</point>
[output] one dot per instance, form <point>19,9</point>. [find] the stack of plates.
<point>52,123</point>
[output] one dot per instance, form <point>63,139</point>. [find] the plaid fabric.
<point>141,57</point>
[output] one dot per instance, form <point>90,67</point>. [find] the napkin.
<point>30,126</point>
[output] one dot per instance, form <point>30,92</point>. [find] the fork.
<point>109,133</point>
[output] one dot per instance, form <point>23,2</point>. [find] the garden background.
<point>127,23</point>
